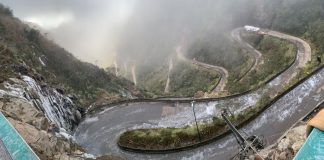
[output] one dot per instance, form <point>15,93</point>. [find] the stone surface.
<point>287,147</point>
<point>283,144</point>
<point>1,105</point>
<point>46,145</point>
<point>32,126</point>
<point>17,81</point>
<point>31,123</point>
<point>21,108</point>
<point>296,146</point>
<point>283,156</point>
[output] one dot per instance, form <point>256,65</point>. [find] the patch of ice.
<point>41,61</point>
<point>12,91</point>
<point>251,28</point>
<point>87,155</point>
<point>197,156</point>
<point>65,134</point>
<point>210,110</point>
<point>224,144</point>
<point>57,107</point>
<point>91,120</point>
<point>105,110</point>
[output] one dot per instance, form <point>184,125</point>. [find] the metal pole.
<point>234,130</point>
<point>193,109</point>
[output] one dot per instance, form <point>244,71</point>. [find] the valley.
<point>154,79</point>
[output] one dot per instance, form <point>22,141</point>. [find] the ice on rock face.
<point>12,91</point>
<point>57,107</point>
<point>41,61</point>
<point>63,133</point>
<point>91,120</point>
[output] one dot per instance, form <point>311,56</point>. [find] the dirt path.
<point>307,52</point>
<point>224,73</point>
<point>134,74</point>
<point>258,60</point>
<point>304,54</point>
<point>167,85</point>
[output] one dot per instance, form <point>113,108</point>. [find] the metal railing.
<point>13,143</point>
<point>4,153</point>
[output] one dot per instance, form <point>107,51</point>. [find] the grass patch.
<point>277,56</point>
<point>7,62</point>
<point>169,138</point>
<point>185,80</point>
<point>172,138</point>
<point>160,139</point>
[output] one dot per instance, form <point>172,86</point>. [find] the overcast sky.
<point>87,28</point>
<point>146,31</point>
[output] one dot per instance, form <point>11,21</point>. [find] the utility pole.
<point>193,109</point>
<point>250,145</point>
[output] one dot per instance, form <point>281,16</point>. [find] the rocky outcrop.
<point>41,115</point>
<point>58,108</point>
<point>287,147</point>
<point>34,127</point>
<point>46,145</point>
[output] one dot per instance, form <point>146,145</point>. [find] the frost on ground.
<point>205,111</point>
<point>59,109</point>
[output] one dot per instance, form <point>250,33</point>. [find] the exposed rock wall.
<point>32,108</point>
<point>57,108</point>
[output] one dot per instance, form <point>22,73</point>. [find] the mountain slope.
<point>60,68</point>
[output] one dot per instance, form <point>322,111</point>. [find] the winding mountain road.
<point>258,60</point>
<point>224,73</point>
<point>99,132</point>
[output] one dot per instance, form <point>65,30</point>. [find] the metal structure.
<point>193,109</point>
<point>250,145</point>
<point>12,145</point>
<point>4,153</point>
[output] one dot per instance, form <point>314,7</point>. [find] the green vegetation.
<point>302,18</point>
<point>219,50</point>
<point>173,138</point>
<point>185,80</point>
<point>154,81</point>
<point>277,56</point>
<point>170,138</point>
<point>62,69</point>
<point>7,62</point>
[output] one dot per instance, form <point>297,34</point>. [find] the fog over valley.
<point>161,79</point>
<point>101,31</point>
<point>88,29</point>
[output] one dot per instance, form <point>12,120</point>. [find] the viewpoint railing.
<point>313,148</point>
<point>13,146</point>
